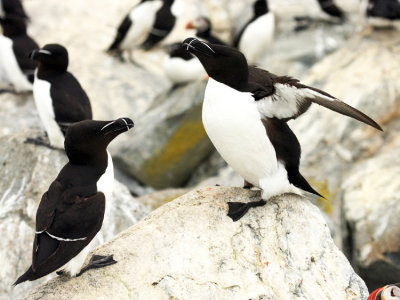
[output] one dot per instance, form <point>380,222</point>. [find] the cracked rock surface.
<point>190,249</point>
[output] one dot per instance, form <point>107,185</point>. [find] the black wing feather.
<point>122,30</point>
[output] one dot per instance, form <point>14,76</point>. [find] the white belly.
<point>106,182</point>
<point>142,17</point>
<point>44,105</point>
<point>179,70</point>
<point>234,125</point>
<point>257,37</point>
<point>9,67</point>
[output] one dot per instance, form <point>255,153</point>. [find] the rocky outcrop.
<point>190,249</point>
<point>371,206</point>
<point>170,140</point>
<point>26,172</point>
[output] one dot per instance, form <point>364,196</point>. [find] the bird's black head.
<point>202,25</point>
<point>51,57</point>
<point>87,141</point>
<point>222,63</point>
<point>13,25</point>
<point>260,8</point>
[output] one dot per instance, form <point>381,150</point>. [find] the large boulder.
<point>26,172</point>
<point>190,249</point>
<point>170,140</point>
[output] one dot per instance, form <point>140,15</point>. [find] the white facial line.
<point>126,123</point>
<point>65,240</point>
<point>45,52</point>
<point>39,232</point>
<point>107,125</point>
<point>189,45</point>
<point>207,46</point>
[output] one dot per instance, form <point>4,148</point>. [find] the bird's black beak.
<point>120,125</point>
<point>194,46</point>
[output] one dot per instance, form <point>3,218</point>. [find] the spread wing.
<point>286,98</point>
<point>71,103</point>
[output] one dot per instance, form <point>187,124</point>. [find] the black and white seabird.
<point>179,65</point>
<point>146,24</point>
<point>15,46</point>
<point>12,8</point>
<point>71,212</point>
<point>258,34</point>
<point>60,99</point>
<point>382,13</point>
<point>245,111</point>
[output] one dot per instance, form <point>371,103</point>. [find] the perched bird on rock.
<point>245,114</point>
<point>60,99</point>
<point>203,28</point>
<point>15,45</point>
<point>388,292</point>
<point>258,34</point>
<point>71,212</point>
<point>145,25</point>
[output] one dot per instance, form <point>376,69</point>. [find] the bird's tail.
<point>24,277</point>
<point>299,181</point>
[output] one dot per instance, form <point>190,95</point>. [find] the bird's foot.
<point>38,141</point>
<point>98,261</point>
<point>302,23</point>
<point>247,185</point>
<point>60,273</point>
<point>10,91</point>
<point>237,210</point>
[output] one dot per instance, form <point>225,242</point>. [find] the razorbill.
<point>258,34</point>
<point>388,292</point>
<point>60,99</point>
<point>71,212</point>
<point>179,65</point>
<point>382,13</point>
<point>12,8</point>
<point>245,111</point>
<point>15,46</point>
<point>145,25</point>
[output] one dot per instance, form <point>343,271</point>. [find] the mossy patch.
<point>322,187</point>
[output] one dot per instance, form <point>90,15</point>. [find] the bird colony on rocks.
<point>198,78</point>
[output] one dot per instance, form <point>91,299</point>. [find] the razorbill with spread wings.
<point>245,114</point>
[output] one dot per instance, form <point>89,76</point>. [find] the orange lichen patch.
<point>266,263</point>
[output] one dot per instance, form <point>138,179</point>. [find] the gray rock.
<point>26,172</point>
<point>371,204</point>
<point>190,249</point>
<point>170,141</point>
<point>158,198</point>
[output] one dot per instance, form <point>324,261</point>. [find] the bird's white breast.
<point>44,105</point>
<point>179,70</point>
<point>105,184</point>
<point>257,37</point>
<point>234,125</point>
<point>9,66</point>
<point>143,18</point>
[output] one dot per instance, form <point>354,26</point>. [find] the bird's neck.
<point>44,71</point>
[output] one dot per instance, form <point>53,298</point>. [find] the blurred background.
<point>168,153</point>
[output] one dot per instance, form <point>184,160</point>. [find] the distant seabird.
<point>71,212</point>
<point>179,65</point>
<point>245,111</point>
<point>60,99</point>
<point>15,46</point>
<point>382,13</point>
<point>146,24</point>
<point>258,34</point>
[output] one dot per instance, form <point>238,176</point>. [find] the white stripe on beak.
<point>105,126</point>
<point>47,52</point>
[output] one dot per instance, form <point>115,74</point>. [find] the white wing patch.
<point>286,100</point>
<point>63,239</point>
